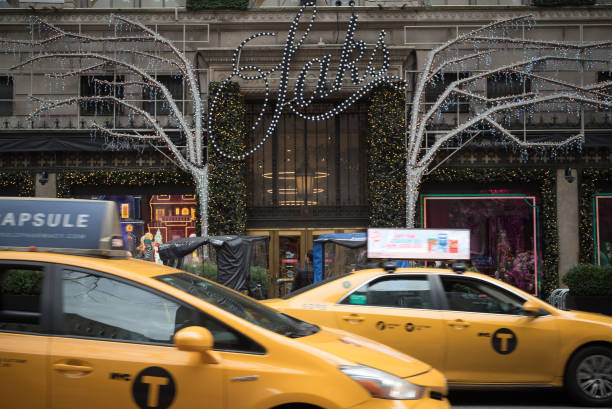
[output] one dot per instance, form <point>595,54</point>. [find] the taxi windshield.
<point>314,285</point>
<point>239,305</point>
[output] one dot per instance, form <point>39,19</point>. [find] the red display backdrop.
<point>503,233</point>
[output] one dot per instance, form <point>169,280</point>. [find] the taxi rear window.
<point>314,285</point>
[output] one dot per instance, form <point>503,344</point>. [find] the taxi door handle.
<point>72,368</point>
<point>459,324</point>
<point>353,317</point>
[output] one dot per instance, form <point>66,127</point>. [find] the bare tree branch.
<point>486,116</point>
<point>122,135</point>
<point>487,42</point>
<point>137,70</point>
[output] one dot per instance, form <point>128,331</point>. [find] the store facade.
<point>327,176</point>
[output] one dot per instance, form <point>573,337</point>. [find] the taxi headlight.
<point>381,384</point>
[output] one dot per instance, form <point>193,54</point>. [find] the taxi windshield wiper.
<point>299,332</point>
<point>300,328</point>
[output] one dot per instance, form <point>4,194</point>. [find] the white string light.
<point>298,101</point>
<point>488,42</point>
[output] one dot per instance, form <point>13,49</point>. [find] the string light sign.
<point>369,79</point>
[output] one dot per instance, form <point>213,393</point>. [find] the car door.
<point>397,310</point>
<point>24,294</point>
<point>114,349</point>
<point>490,340</point>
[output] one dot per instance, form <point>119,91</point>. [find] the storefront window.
<point>308,164</point>
<point>153,216</point>
<point>503,233</point>
<point>603,228</point>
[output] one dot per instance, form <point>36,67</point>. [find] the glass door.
<point>290,245</point>
<point>287,253</point>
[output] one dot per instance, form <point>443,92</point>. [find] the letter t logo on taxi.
<point>504,341</point>
<point>154,383</point>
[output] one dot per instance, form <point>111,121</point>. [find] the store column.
<point>45,184</point>
<point>567,217</point>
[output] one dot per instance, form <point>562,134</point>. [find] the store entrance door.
<point>287,252</point>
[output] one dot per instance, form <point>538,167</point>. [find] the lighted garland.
<point>546,180</point>
<point>227,183</point>
<point>23,181</point>
<point>103,179</point>
<point>386,150</point>
<point>590,179</point>
<point>217,4</point>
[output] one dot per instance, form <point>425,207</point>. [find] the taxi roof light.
<point>389,266</point>
<point>459,267</point>
<point>68,226</point>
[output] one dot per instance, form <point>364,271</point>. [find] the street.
<point>512,399</point>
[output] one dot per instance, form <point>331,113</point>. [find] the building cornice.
<point>380,17</point>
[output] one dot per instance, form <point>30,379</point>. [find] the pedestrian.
<point>145,250</point>
<point>305,274</point>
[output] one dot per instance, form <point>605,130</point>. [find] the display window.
<point>150,220</point>
<point>602,223</point>
<point>503,233</point>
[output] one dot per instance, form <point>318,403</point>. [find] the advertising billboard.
<point>419,244</point>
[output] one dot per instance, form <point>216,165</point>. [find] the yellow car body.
<point>480,332</point>
<point>70,356</point>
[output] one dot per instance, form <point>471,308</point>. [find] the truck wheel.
<point>588,377</point>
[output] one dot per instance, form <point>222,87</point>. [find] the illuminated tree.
<point>135,51</point>
<point>540,75</point>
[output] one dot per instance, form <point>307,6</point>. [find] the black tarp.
<point>233,256</point>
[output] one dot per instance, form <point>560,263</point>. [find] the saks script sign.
<point>419,244</point>
<point>352,53</point>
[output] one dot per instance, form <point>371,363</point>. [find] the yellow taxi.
<point>99,330</point>
<point>480,332</point>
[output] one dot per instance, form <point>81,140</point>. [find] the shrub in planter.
<point>259,275</point>
<point>590,288</point>
<point>21,282</point>
<point>20,290</point>
<point>206,270</point>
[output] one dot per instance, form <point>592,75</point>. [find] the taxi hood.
<point>590,317</point>
<point>364,351</point>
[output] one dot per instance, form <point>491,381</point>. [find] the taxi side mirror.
<point>531,309</point>
<point>197,339</point>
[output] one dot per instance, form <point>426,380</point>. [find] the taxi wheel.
<point>588,377</point>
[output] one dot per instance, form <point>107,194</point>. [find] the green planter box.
<point>559,3</point>
<point>217,4</point>
<point>25,303</point>
<point>601,304</point>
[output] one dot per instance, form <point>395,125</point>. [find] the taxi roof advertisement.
<point>53,223</point>
<point>419,244</point>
